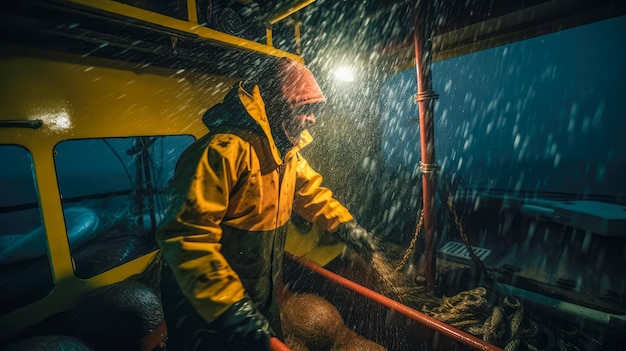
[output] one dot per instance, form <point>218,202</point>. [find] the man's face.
<point>298,120</point>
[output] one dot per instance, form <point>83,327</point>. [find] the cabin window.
<point>23,245</point>
<point>113,192</point>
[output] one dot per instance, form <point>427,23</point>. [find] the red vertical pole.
<point>422,31</point>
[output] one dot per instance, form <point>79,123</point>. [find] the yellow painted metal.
<point>268,35</point>
<point>86,97</point>
<point>288,11</point>
<point>296,28</point>
<point>94,97</point>
<point>192,11</point>
<point>307,245</point>
<point>324,254</point>
<point>117,8</point>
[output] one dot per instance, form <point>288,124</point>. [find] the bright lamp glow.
<point>344,74</point>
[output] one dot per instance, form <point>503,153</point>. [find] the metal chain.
<point>459,227</point>
<point>409,250</point>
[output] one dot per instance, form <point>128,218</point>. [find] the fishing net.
<point>502,322</point>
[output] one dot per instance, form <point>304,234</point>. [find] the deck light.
<point>344,74</point>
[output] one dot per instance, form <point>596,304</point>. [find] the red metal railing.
<point>277,345</point>
<point>432,323</point>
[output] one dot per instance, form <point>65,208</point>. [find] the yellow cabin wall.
<point>97,98</point>
<point>78,98</point>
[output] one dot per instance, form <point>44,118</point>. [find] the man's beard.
<point>292,130</point>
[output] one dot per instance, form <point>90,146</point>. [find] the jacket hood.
<point>246,110</point>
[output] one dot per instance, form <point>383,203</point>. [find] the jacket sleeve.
<point>316,203</point>
<point>190,235</point>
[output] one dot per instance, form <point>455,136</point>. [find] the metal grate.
<point>459,250</point>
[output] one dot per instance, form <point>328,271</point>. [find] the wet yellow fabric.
<point>235,178</point>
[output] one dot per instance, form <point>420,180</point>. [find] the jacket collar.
<point>226,114</point>
<point>254,104</point>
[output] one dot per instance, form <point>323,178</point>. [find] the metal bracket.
<point>32,124</point>
<point>426,95</point>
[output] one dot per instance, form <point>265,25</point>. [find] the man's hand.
<point>357,239</point>
<point>242,323</point>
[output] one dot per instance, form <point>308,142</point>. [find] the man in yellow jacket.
<point>231,199</point>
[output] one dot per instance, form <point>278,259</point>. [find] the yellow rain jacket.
<point>225,230</point>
